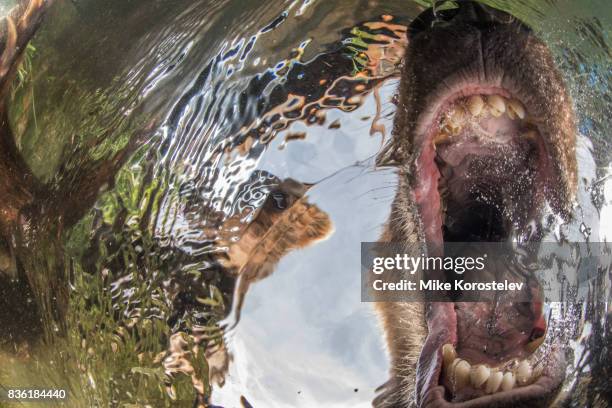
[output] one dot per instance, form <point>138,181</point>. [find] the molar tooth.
<point>441,138</point>
<point>516,108</point>
<point>457,116</point>
<point>494,382</point>
<point>511,114</point>
<point>448,354</point>
<point>530,135</point>
<point>523,372</point>
<point>497,104</point>
<point>453,121</point>
<point>507,381</point>
<point>453,128</point>
<point>479,375</point>
<point>461,373</point>
<point>495,113</point>
<point>475,104</point>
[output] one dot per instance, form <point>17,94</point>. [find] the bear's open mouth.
<point>483,168</point>
<point>481,175</point>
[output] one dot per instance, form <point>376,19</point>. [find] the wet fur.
<point>404,323</point>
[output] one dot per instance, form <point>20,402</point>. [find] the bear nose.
<point>466,12</point>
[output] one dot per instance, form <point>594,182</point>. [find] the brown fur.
<point>274,233</point>
<point>434,58</point>
<point>403,322</point>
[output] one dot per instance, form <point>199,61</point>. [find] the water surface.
<point>202,108</point>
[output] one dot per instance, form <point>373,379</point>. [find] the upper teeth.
<point>515,108</point>
<point>454,120</point>
<point>462,374</point>
<point>497,105</point>
<point>477,105</point>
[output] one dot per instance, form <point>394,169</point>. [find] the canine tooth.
<point>479,375</point>
<point>497,104</point>
<point>516,108</point>
<point>507,381</point>
<point>461,373</point>
<point>448,354</point>
<point>494,382</point>
<point>475,104</point>
<point>523,372</point>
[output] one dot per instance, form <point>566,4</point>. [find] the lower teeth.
<point>462,374</point>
